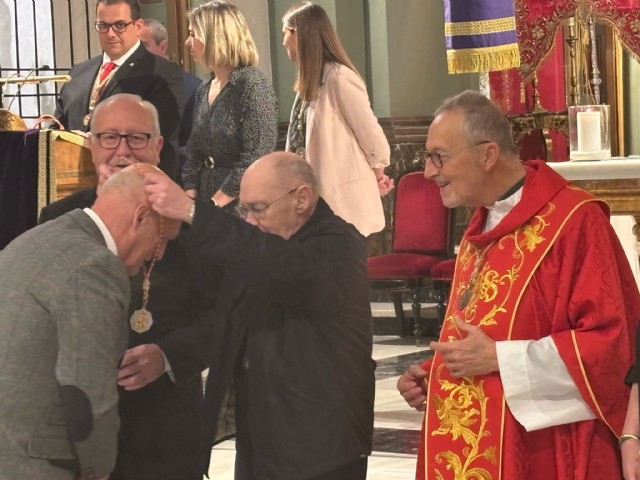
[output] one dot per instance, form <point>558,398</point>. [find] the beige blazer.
<point>343,143</point>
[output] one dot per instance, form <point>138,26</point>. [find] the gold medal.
<point>467,294</point>
<point>141,320</point>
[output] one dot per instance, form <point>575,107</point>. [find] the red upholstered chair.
<point>421,239</point>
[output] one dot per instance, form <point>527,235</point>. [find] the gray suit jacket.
<point>63,303</point>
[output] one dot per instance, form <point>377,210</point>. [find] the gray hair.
<point>483,120</point>
<point>120,97</point>
<point>127,181</point>
<point>157,30</point>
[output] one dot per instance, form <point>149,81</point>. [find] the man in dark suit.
<point>292,327</point>
<point>64,296</point>
<point>125,67</point>
<point>153,36</point>
<point>160,375</point>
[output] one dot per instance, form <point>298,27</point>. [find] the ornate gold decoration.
<point>544,121</point>
<point>484,59</point>
<point>496,25</point>
<point>10,122</point>
<point>463,414</point>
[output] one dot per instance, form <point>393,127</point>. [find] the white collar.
<point>111,244</point>
<point>500,209</point>
<point>120,61</point>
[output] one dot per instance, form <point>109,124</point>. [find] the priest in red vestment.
<point>527,379</point>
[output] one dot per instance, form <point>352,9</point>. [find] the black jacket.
<point>301,309</point>
<point>154,78</point>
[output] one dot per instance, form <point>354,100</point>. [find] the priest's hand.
<point>474,355</point>
<point>140,366</point>
<point>412,385</point>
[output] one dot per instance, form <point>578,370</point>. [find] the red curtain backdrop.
<point>506,90</point>
<point>537,21</point>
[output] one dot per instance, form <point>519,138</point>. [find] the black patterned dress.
<point>239,127</point>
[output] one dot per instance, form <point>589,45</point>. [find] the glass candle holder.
<point>589,132</point>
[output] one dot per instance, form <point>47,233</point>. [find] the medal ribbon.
<point>141,319</point>
<point>107,71</point>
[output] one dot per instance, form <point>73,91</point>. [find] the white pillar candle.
<point>589,132</point>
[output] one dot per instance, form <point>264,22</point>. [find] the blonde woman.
<point>235,118</point>
<point>332,124</point>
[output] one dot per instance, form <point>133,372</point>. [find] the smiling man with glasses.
<point>124,67</point>
<point>542,297</point>
<point>292,324</point>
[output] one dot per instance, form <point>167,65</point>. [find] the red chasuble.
<point>552,267</point>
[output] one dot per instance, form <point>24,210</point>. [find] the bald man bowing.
<point>64,297</point>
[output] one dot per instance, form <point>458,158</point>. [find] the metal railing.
<point>41,38</point>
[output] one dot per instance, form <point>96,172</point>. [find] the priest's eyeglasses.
<point>111,140</point>
<point>437,158</point>
<point>260,212</point>
<point>118,27</point>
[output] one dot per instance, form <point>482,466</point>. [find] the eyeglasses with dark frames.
<point>437,158</point>
<point>111,140</point>
<point>118,27</point>
<point>260,212</point>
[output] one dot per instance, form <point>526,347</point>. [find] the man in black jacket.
<point>125,67</point>
<point>160,383</point>
<point>292,327</point>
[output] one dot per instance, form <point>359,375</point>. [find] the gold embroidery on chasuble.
<point>465,417</point>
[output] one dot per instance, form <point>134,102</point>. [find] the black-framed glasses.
<point>437,158</point>
<point>118,27</point>
<point>260,212</point>
<point>111,140</point>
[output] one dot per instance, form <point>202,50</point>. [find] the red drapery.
<point>537,21</point>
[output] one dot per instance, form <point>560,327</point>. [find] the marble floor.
<point>396,425</point>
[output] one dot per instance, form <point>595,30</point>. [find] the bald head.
<point>123,205</point>
<point>286,168</point>
<point>278,193</point>
<point>134,105</point>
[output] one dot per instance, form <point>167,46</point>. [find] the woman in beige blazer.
<point>332,124</point>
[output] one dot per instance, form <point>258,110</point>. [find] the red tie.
<point>107,68</point>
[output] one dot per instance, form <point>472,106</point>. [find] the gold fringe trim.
<point>46,172</point>
<point>487,59</point>
<point>70,136</point>
<point>477,27</point>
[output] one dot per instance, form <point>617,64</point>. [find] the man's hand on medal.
<point>140,366</point>
<point>413,387</point>
<point>474,355</point>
